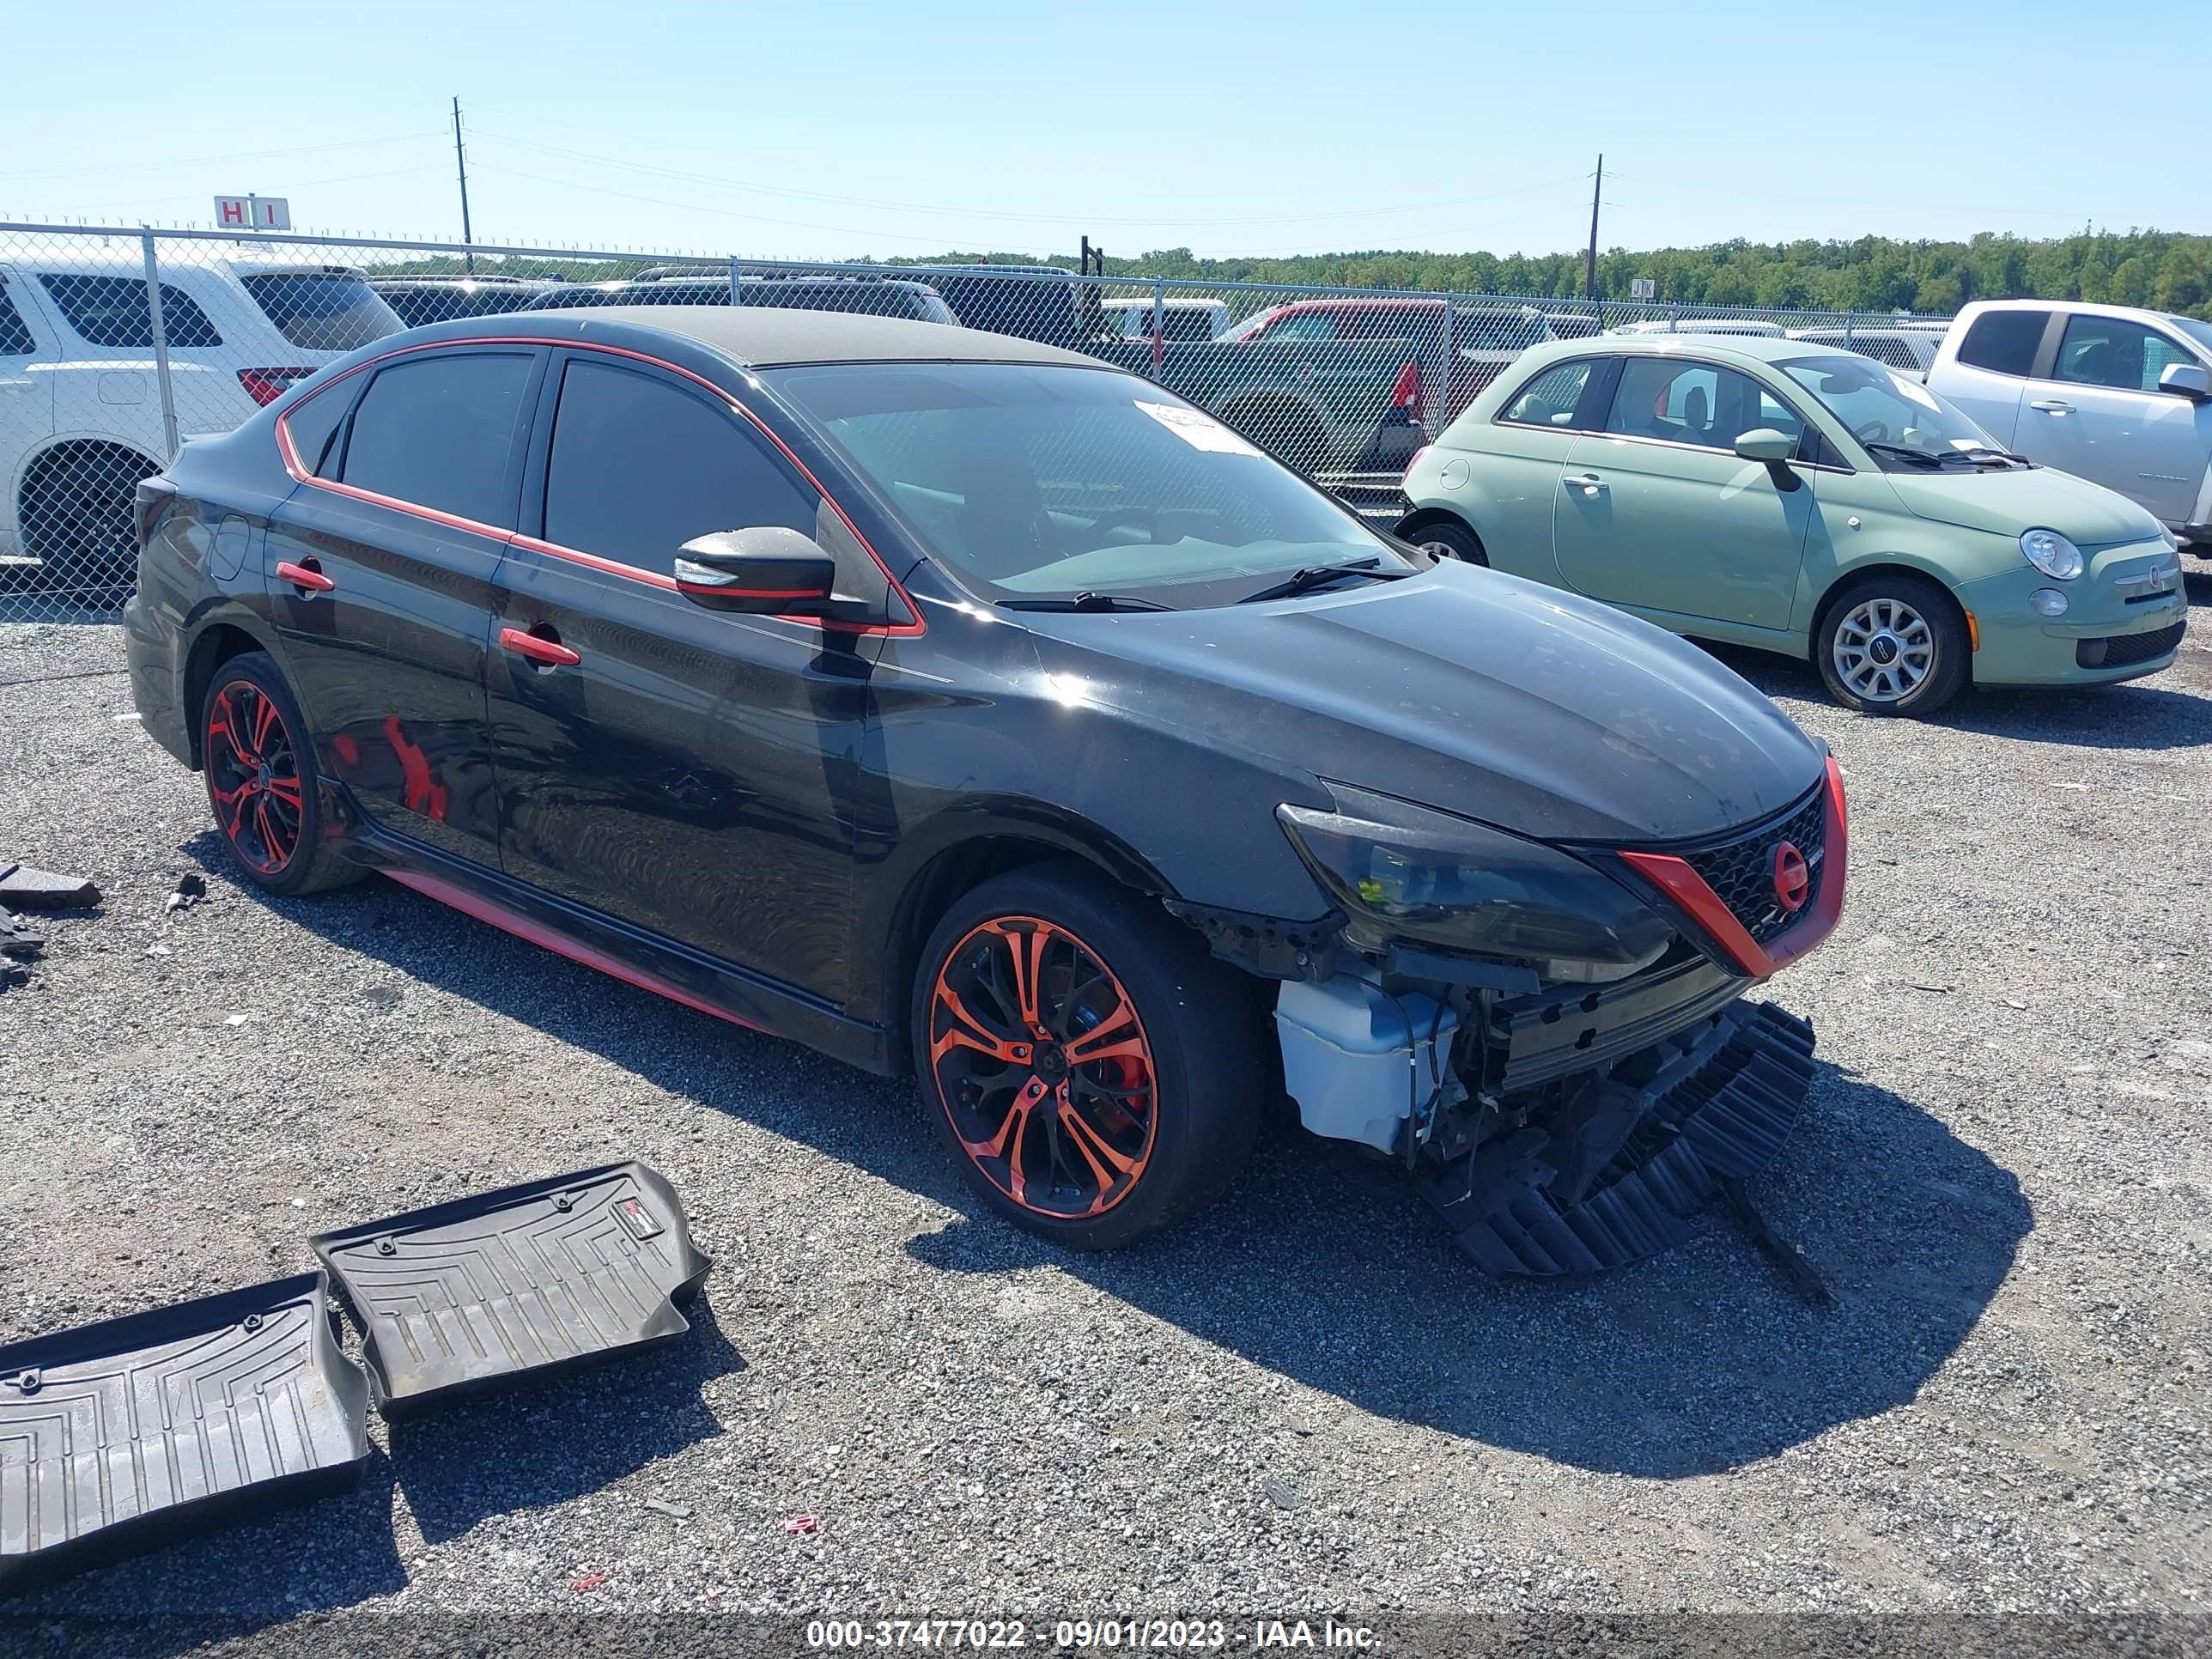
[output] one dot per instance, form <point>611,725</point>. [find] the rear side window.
<point>2004,342</point>
<point>1550,398</point>
<point>640,466</point>
<point>321,311</point>
<point>315,424</point>
<point>15,339</point>
<point>439,432</point>
<point>112,311</point>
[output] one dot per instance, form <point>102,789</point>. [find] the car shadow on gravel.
<point>1321,1264</point>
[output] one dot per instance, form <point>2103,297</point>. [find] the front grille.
<point>1741,871</point>
<point>2120,650</point>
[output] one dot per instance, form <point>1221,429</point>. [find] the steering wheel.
<point>1873,432</point>
<point>1136,518</point>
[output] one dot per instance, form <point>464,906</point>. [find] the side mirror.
<point>2189,380</point>
<point>1764,444</point>
<point>769,570</point>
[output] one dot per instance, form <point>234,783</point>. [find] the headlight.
<point>1402,871</point>
<point>2052,554</point>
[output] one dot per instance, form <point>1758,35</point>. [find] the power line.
<point>204,160</point>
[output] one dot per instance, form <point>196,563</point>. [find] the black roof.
<point>768,336</point>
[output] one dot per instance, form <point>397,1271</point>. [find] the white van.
<point>1182,316</point>
<point>80,419</point>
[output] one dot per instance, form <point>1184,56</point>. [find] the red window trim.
<point>1676,878</point>
<point>290,455</point>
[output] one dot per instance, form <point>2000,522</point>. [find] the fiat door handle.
<point>2052,405</point>
<point>308,578</point>
<point>1589,482</point>
<point>547,652</point>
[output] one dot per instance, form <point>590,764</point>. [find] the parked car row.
<point>1777,493</point>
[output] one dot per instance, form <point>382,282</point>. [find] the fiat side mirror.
<point>1765,444</point>
<point>2189,380</point>
<point>767,570</point>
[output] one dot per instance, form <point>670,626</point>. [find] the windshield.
<point>1899,420</point>
<point>1038,482</point>
<point>2199,334</point>
<point>324,311</point>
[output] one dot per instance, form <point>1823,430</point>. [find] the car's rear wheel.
<point>1891,644</point>
<point>1096,1073</point>
<point>1447,540</point>
<point>262,785</point>
<point>75,513</point>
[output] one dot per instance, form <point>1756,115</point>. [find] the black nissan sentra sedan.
<point>953,703</point>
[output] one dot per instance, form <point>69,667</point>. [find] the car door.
<point>685,769</point>
<point>2094,410</point>
<point>380,569</point>
<point>1514,479</point>
<point>1988,375</point>
<point>26,396</point>
<point>1659,514</point>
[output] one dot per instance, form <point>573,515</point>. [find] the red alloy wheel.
<point>1043,1068</point>
<point>253,776</point>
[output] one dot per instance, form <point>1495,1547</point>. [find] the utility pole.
<point>1589,269</point>
<point>461,162</point>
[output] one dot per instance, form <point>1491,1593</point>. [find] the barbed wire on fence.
<point>121,343</point>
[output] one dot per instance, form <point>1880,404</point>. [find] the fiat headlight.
<point>2052,554</point>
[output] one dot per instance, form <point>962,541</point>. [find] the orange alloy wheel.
<point>253,776</point>
<point>1043,1068</point>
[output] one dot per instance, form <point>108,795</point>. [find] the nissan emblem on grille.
<point>1793,877</point>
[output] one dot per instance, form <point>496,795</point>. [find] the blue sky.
<point>829,129</point>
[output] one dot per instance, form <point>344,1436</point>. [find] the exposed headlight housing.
<point>2172,540</point>
<point>1406,873</point>
<point>2052,554</point>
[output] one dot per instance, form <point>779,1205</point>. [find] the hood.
<point>1505,701</point>
<point>2032,498</point>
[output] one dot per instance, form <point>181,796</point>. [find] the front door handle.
<point>1589,482</point>
<point>545,648</point>
<point>2052,405</point>
<point>308,578</point>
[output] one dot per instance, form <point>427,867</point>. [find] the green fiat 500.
<point>1771,493</point>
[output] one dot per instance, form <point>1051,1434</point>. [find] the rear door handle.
<point>1589,482</point>
<point>307,577</point>
<point>2052,406</point>
<point>543,649</point>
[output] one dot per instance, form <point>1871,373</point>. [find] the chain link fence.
<point>117,345</point>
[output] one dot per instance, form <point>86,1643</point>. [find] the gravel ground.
<point>1305,1400</point>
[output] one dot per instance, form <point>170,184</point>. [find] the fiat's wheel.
<point>1893,645</point>
<point>1058,1038</point>
<point>1447,540</point>
<point>261,780</point>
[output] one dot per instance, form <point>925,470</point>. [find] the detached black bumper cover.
<point>119,1435</point>
<point>546,1275</point>
<point>1726,1094</point>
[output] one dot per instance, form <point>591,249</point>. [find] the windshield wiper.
<point>1088,601</point>
<point>1917,456</point>
<point>1313,575</point>
<point>1983,454</point>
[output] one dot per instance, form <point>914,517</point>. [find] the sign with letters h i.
<point>253,213</point>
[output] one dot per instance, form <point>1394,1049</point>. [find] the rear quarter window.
<point>1549,400</point>
<point>15,339</point>
<point>2004,342</point>
<point>113,311</point>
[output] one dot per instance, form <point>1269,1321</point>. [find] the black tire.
<point>1451,538</point>
<point>1905,616</point>
<point>1156,1134</point>
<point>262,785</point>
<point>77,515</point>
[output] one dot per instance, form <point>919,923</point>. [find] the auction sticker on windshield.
<point>1198,429</point>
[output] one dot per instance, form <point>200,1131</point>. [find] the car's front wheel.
<point>1447,540</point>
<point>262,784</point>
<point>1891,644</point>
<point>1096,1073</point>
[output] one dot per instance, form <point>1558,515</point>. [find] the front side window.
<point>1689,403</point>
<point>640,466</point>
<point>1037,481</point>
<point>1903,425</point>
<point>113,311</point>
<point>1297,326</point>
<point>2112,351</point>
<point>321,311</point>
<point>438,432</point>
<point>2004,342</point>
<point>1550,398</point>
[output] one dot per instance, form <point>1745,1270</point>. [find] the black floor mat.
<point>121,1435</point>
<point>548,1275</point>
